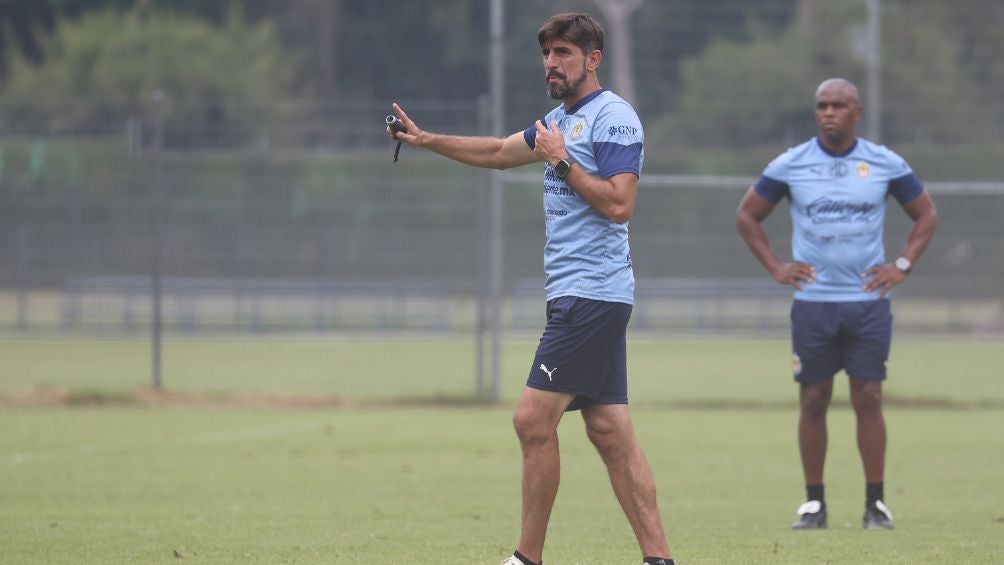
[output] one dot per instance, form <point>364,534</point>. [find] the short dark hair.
<point>580,29</point>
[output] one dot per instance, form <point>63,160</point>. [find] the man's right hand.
<point>794,274</point>
<point>412,133</point>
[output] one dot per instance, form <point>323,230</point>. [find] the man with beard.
<point>592,147</point>
<point>837,185</point>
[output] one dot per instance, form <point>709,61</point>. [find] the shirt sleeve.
<point>905,188</point>
<point>771,190</point>
<point>618,141</point>
<point>530,134</point>
<point>903,185</point>
<point>773,183</point>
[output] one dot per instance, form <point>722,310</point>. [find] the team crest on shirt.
<point>577,130</point>
<point>864,170</point>
<point>796,364</point>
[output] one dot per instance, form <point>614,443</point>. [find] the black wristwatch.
<point>562,167</point>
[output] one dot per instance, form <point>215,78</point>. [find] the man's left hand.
<point>883,276</point>
<point>550,143</point>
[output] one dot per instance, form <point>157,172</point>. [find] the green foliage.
<point>727,89</point>
<point>209,77</point>
<point>928,96</point>
<point>761,89</point>
<point>24,22</point>
<point>716,84</point>
<point>976,26</point>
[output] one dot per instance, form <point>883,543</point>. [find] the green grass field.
<point>384,482</point>
<point>663,371</point>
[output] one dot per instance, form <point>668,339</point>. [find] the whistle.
<point>395,125</point>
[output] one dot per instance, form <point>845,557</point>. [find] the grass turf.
<point>226,485</point>
<point>150,485</point>
<point>662,371</point>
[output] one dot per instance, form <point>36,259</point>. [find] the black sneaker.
<point>877,517</point>
<point>811,516</point>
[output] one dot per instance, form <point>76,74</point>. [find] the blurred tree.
<point>24,21</point>
<point>438,49</point>
<point>976,26</point>
<point>744,93</point>
<point>413,50</point>
<point>309,30</point>
<point>931,96</point>
<point>669,33</point>
<point>747,92</point>
<point>108,65</point>
<point>361,49</point>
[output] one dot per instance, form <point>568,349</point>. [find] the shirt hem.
<point>840,297</point>
<point>590,296</point>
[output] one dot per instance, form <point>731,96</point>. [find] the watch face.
<point>562,167</point>
<point>903,264</point>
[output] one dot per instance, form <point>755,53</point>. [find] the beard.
<point>564,88</point>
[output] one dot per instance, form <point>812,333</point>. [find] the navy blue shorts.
<point>827,337</point>
<point>583,351</point>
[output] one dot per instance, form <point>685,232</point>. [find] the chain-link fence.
<point>303,224</point>
<point>293,238</point>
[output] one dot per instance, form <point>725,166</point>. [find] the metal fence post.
<point>873,106</point>
<point>482,250</point>
<point>156,236</point>
<point>21,275</point>
<point>496,231</point>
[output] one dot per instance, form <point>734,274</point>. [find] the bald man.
<point>837,186</point>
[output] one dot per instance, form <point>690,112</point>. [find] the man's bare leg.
<point>866,397</point>
<point>610,429</point>
<point>536,422</point>
<point>814,402</point>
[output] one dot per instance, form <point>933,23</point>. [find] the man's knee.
<point>599,432</point>
<point>866,396</point>
<point>537,414</point>
<point>815,400</point>
<point>612,437</point>
<point>531,426</point>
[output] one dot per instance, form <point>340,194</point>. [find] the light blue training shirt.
<point>586,254</point>
<point>838,205</point>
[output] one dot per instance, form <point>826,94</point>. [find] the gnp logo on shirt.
<point>622,131</point>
